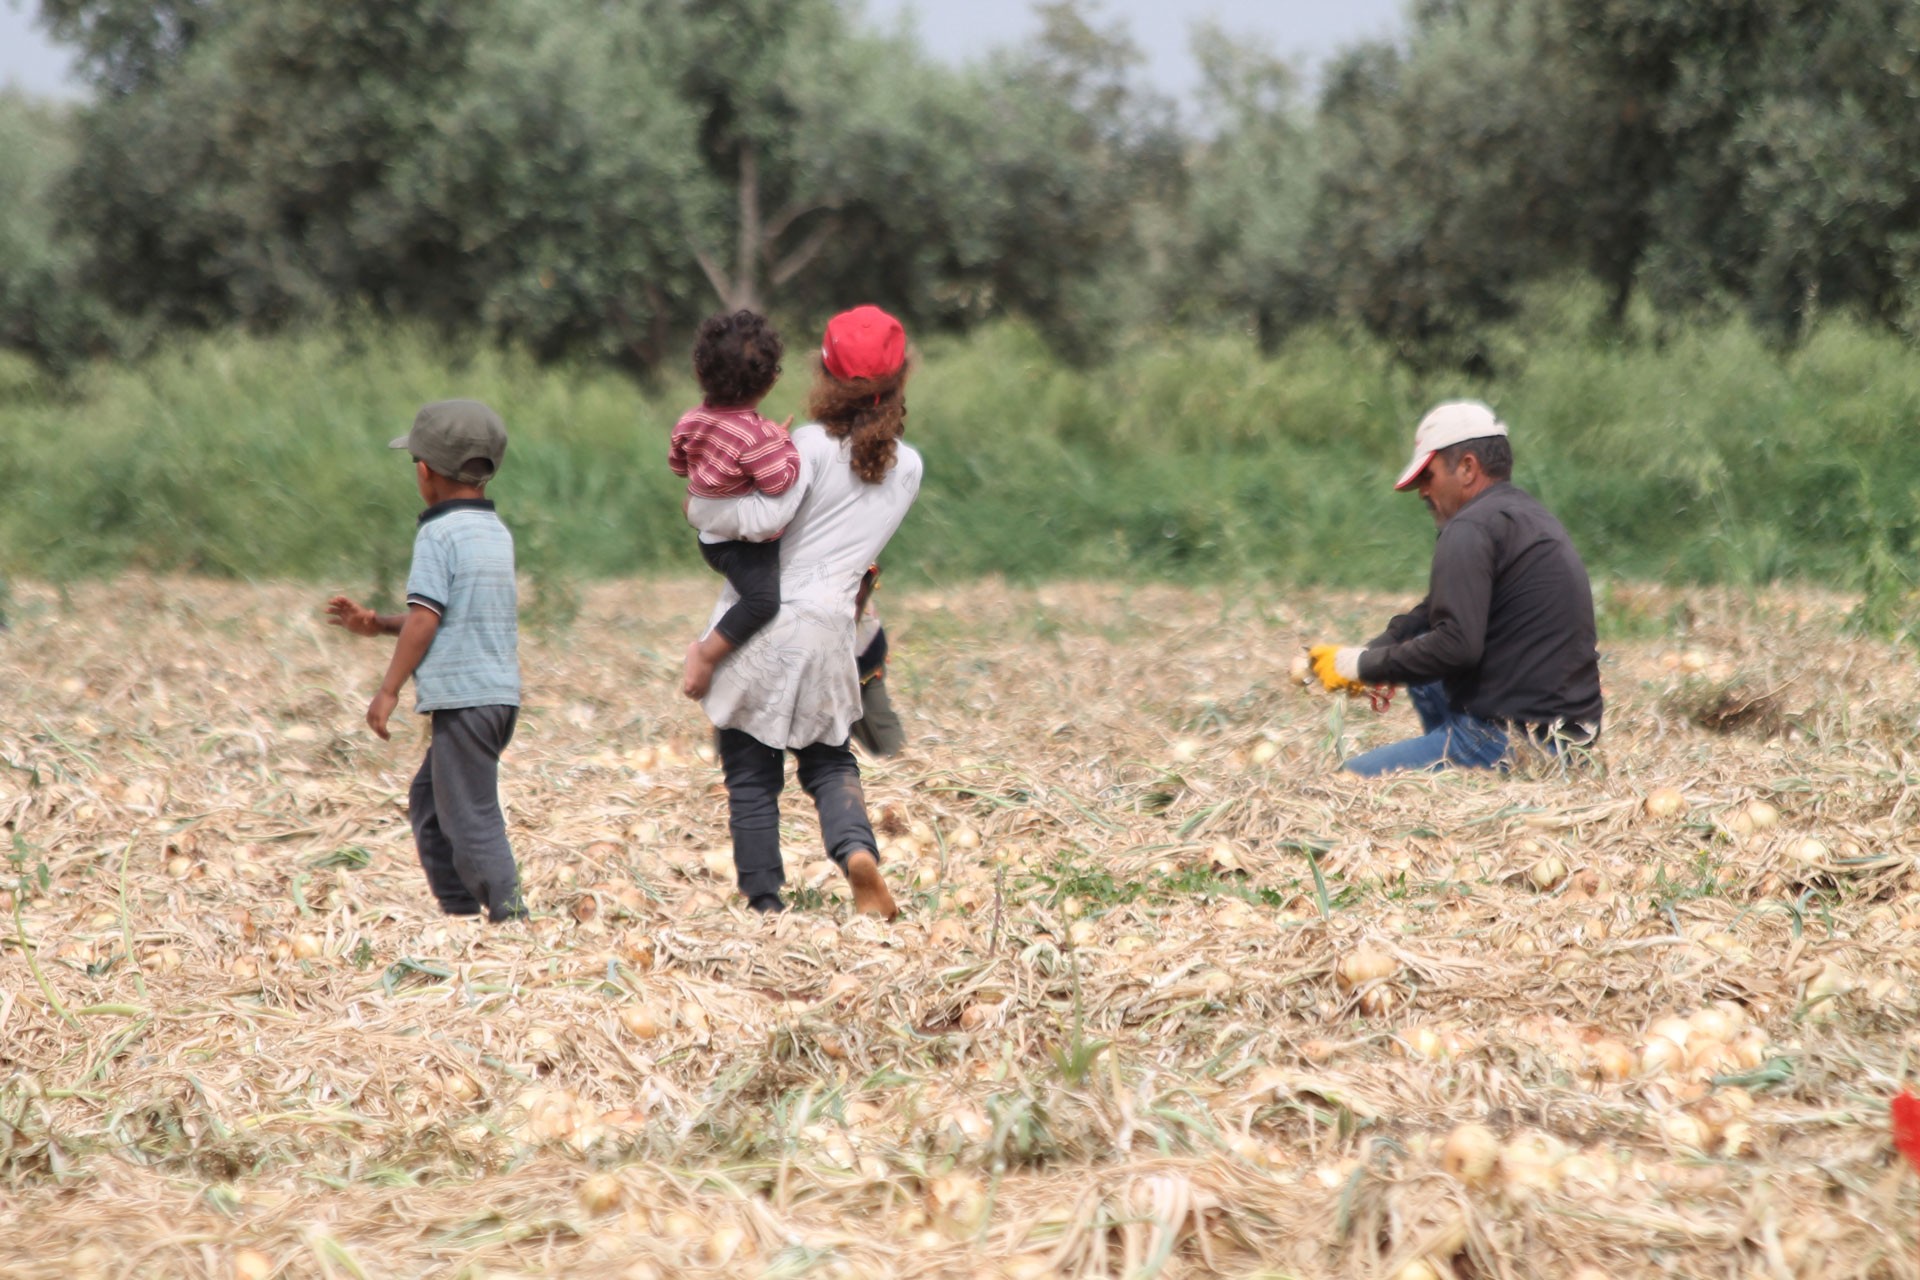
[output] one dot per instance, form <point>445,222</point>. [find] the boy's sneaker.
<point>514,908</point>
<point>767,904</point>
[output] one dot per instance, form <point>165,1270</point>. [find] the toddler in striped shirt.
<point>728,451</point>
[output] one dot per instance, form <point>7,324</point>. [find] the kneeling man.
<point>1502,652</point>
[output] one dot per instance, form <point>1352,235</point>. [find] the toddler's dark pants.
<point>455,809</point>
<point>755,774</point>
<point>753,569</point>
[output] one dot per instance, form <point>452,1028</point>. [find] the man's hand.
<point>359,619</point>
<point>377,712</point>
<point>1338,667</point>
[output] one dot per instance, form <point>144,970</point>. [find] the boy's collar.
<point>452,505</point>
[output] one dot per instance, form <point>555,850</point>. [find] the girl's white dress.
<point>794,683</point>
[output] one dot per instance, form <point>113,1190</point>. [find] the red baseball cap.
<point>865,342</point>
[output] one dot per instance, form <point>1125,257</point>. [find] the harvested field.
<point>1170,997</point>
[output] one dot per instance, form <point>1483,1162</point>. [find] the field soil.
<point>1169,996</point>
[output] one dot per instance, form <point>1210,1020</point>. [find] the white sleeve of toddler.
<point>752,517</point>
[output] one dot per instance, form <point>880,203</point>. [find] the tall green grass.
<point>1706,456</point>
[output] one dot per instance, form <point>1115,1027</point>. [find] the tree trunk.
<point>746,284</point>
<point>739,288</point>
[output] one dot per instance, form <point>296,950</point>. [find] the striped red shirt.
<point>728,453</point>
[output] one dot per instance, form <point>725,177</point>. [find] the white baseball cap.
<point>1444,426</point>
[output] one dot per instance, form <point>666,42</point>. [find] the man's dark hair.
<point>1494,452</point>
<point>736,357</point>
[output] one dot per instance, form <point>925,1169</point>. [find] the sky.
<point>27,59</point>
<point>1303,30</point>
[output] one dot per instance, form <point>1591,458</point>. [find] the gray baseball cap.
<point>453,436</point>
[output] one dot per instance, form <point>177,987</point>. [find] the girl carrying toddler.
<point>795,687</point>
<point>728,451</point>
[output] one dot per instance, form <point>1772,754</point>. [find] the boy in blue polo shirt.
<point>459,640</point>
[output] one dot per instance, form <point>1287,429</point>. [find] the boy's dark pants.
<point>455,809</point>
<point>878,729</point>
<point>753,569</point>
<point>755,774</point>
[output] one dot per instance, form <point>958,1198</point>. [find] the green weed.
<point>1708,457</point>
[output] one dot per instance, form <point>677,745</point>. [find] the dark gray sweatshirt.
<point>1507,625</point>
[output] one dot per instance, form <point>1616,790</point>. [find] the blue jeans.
<point>1452,738</point>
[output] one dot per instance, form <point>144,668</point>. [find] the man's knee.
<point>1429,703</point>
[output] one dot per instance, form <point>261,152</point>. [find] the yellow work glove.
<point>1338,667</point>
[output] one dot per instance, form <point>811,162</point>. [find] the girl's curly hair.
<point>736,357</point>
<point>871,412</point>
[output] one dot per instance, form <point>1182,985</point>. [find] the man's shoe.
<point>767,904</point>
<point>870,894</point>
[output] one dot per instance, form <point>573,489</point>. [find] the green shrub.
<point>1707,456</point>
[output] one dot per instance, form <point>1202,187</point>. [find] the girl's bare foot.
<point>870,894</point>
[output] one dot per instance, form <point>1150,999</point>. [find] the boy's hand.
<point>377,712</point>
<point>362,621</point>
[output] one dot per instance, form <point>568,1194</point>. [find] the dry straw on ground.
<point>1121,1029</point>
